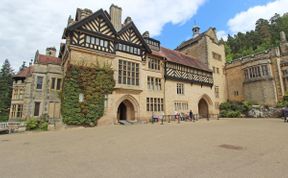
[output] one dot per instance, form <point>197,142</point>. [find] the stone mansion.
<point>149,77</point>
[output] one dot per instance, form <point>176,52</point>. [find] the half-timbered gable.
<point>131,41</point>
<point>95,32</point>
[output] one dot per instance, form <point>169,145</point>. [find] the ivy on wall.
<point>94,83</point>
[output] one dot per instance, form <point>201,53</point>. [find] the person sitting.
<point>154,118</point>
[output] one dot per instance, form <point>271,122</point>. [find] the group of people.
<point>184,117</point>
<point>178,116</point>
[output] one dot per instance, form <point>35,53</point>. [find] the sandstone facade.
<point>260,78</point>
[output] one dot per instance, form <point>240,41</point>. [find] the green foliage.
<point>6,82</point>
<point>234,109</point>
<point>265,36</point>
<point>31,124</point>
<point>284,102</point>
<point>94,83</point>
<point>36,124</point>
<point>230,114</point>
<point>43,126</point>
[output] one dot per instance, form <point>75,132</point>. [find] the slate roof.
<point>24,73</point>
<point>180,58</point>
<point>43,59</point>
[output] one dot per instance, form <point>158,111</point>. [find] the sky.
<point>31,25</point>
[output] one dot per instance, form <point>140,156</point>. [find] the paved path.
<point>224,148</point>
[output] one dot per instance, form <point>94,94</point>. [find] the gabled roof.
<point>180,58</point>
<point>89,18</point>
<point>43,59</point>
<point>197,38</point>
<point>24,72</point>
<point>133,26</point>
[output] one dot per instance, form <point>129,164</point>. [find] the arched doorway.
<point>126,111</point>
<point>203,110</point>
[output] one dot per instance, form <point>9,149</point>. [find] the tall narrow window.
<point>13,110</point>
<point>58,84</point>
<point>53,83</point>
<point>37,109</point>
<point>19,110</point>
<point>217,91</point>
<point>39,82</point>
<point>21,93</point>
<point>147,104</point>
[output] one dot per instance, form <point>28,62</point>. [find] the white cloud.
<point>32,24</point>
<point>245,21</point>
<point>222,34</point>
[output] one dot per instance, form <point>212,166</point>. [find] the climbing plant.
<point>94,82</point>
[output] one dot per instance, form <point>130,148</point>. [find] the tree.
<point>265,36</point>
<point>6,82</point>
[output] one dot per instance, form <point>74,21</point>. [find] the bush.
<point>31,124</point>
<point>43,126</point>
<point>36,124</point>
<point>234,109</point>
<point>230,114</point>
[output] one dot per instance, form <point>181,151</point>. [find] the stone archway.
<point>126,111</point>
<point>203,109</point>
<point>126,108</point>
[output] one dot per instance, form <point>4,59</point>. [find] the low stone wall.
<point>264,112</point>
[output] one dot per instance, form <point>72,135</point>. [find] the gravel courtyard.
<point>217,148</point>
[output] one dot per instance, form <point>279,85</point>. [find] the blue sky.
<point>213,13</point>
<point>31,25</point>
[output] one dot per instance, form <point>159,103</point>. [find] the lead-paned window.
<point>180,88</point>
<point>154,104</point>
<point>88,39</point>
<point>19,111</point>
<point>147,104</point>
<point>154,64</point>
<point>39,82</point>
<point>128,73</point>
<point>16,111</point>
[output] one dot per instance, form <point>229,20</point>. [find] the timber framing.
<point>178,72</point>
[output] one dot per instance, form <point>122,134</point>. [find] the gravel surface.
<point>217,148</point>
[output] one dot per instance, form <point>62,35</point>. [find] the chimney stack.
<point>146,34</point>
<point>51,51</point>
<point>116,16</point>
<point>82,13</point>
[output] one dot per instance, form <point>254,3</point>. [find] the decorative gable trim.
<point>97,23</point>
<point>129,33</point>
